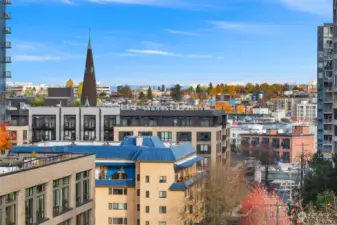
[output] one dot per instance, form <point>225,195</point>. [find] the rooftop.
<point>150,149</point>
<point>14,164</point>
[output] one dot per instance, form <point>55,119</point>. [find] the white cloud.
<point>72,43</point>
<point>165,53</point>
<point>35,58</point>
<point>245,27</point>
<point>180,32</point>
<point>321,7</point>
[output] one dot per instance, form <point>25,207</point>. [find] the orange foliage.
<point>5,137</point>
<point>240,109</point>
<point>229,109</point>
<point>262,207</point>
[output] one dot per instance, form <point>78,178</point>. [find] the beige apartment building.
<point>141,180</point>
<point>47,189</point>
<point>20,134</point>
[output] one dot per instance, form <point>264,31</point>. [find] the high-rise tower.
<point>4,59</point>
<point>89,91</point>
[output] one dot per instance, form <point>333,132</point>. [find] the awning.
<point>188,163</point>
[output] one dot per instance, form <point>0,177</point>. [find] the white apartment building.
<point>306,112</point>
<point>100,88</point>
<point>20,87</point>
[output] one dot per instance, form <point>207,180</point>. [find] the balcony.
<point>328,131</point>
<point>184,183</point>
<point>6,60</point>
<point>6,16</point>
<point>328,100</point>
<point>7,30</point>
<point>328,89</point>
<point>328,110</point>
<point>7,44</point>
<point>328,120</point>
<point>6,2</point>
<point>327,142</point>
<point>7,74</point>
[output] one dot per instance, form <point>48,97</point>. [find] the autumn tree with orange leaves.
<point>5,137</point>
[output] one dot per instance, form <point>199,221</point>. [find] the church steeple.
<point>89,91</point>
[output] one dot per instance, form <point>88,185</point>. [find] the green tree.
<point>125,91</point>
<point>141,96</point>
<point>210,87</point>
<point>79,89</point>
<point>176,92</point>
<point>29,92</point>
<point>75,104</point>
<point>190,89</point>
<point>149,93</point>
<point>249,88</point>
<point>198,89</point>
<point>37,102</point>
<point>103,95</point>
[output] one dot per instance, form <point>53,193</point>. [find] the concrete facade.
<point>16,184</point>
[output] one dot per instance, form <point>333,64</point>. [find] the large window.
<point>165,136</point>
<point>184,136</point>
<point>84,218</point>
<point>69,127</point>
<point>117,220</point>
<point>204,149</point>
<point>67,222</point>
<point>8,207</point>
<point>204,136</point>
<point>109,124</point>
<point>118,206</point>
<point>145,133</point>
<point>60,195</point>
<point>89,127</point>
<point>44,128</point>
<point>82,187</point>
<point>35,204</point>
<point>123,134</point>
<point>118,191</point>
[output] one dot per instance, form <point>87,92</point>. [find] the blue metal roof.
<point>182,186</point>
<point>115,183</point>
<point>127,150</point>
<point>188,163</point>
<point>119,164</point>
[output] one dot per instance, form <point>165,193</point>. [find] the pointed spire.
<point>87,104</point>
<point>89,42</point>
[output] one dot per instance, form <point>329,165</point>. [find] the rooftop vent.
<point>139,141</point>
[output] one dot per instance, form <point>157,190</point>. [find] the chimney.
<point>139,141</point>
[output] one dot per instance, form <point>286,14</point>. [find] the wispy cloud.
<point>165,53</point>
<point>72,43</point>
<point>180,32</point>
<point>245,27</point>
<point>321,7</point>
<point>35,58</point>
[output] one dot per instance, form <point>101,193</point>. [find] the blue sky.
<point>167,41</point>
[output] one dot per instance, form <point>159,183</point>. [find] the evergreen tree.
<point>210,87</point>
<point>149,93</point>
<point>198,89</point>
<point>141,96</point>
<point>175,93</point>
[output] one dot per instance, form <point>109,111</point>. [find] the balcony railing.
<point>326,142</point>
<point>6,2</point>
<point>6,16</point>
<point>7,44</point>
<point>7,30</point>
<point>7,59</point>
<point>328,120</point>
<point>328,88</point>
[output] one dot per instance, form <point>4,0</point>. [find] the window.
<point>162,223</point>
<point>118,206</point>
<point>123,134</point>
<point>162,194</point>
<point>138,192</point>
<point>82,187</point>
<point>138,177</point>
<point>117,220</point>
<point>162,209</point>
<point>67,222</point>
<point>24,137</point>
<point>8,206</point>
<point>60,195</point>
<point>138,207</point>
<point>204,149</point>
<point>165,136</point>
<point>147,194</point>
<point>144,134</point>
<point>69,127</point>
<point>43,128</point>
<point>147,223</point>
<point>147,209</point>
<point>335,64</point>
<point>184,136</point>
<point>35,204</point>
<point>118,191</point>
<point>204,136</point>
<point>147,179</point>
<point>162,179</point>
<point>84,218</point>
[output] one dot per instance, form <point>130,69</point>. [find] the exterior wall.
<point>18,182</point>
<point>70,111</point>
<point>194,130</point>
<point>19,134</point>
<point>102,205</point>
<point>90,111</point>
<point>109,112</point>
<point>306,113</point>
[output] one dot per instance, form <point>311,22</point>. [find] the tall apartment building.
<point>205,129</point>
<point>141,180</point>
<point>47,189</point>
<point>4,59</point>
<point>326,84</point>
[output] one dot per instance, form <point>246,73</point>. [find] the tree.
<point>79,89</point>
<point>176,92</point>
<point>103,95</point>
<point>198,89</point>
<point>190,89</point>
<point>249,88</point>
<point>37,102</point>
<point>210,87</point>
<point>298,88</point>
<point>149,93</point>
<point>75,104</point>
<point>125,91</point>
<point>231,89</point>
<point>70,84</point>
<point>221,191</point>
<point>12,94</point>
<point>5,137</point>
<point>29,92</point>
<point>141,96</point>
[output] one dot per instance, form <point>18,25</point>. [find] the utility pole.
<point>302,167</point>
